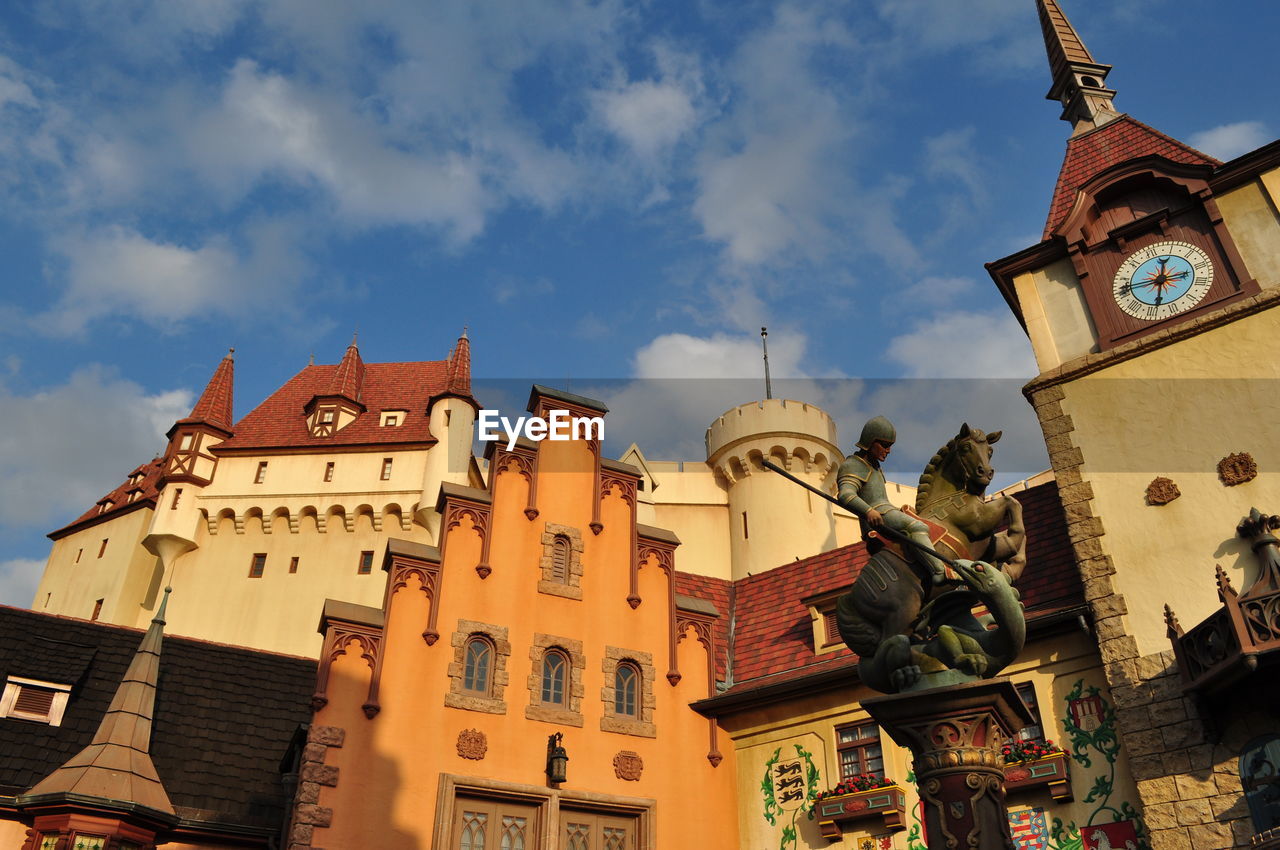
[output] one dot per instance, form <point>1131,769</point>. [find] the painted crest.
<point>1120,835</point>
<point>1086,712</point>
<point>1029,829</point>
<point>788,784</point>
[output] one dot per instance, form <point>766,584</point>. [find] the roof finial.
<point>231,352</point>
<point>355,336</point>
<point>1078,81</point>
<point>311,359</point>
<point>464,331</point>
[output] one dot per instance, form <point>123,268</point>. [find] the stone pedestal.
<point>955,734</point>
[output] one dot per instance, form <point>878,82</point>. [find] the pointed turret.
<point>116,767</point>
<point>339,405</point>
<point>348,381</point>
<point>1078,81</point>
<point>459,373</point>
<point>187,458</point>
<point>215,404</point>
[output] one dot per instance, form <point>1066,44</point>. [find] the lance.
<point>883,530</point>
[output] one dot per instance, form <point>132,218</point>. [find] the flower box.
<point>887,805</point>
<point>1053,770</point>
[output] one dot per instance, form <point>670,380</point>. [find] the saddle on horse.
<point>942,540</point>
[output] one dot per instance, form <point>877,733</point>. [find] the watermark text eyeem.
<point>559,425</point>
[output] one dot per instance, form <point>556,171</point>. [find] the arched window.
<point>560,559</point>
<point>555,678</point>
<point>477,668</point>
<point>626,690</point>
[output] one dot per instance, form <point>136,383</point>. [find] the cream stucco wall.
<point>1053,308</point>
<point>1250,213</point>
<point>75,577</point>
<point>1175,412</point>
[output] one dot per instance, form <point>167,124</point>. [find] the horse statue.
<point>911,631</point>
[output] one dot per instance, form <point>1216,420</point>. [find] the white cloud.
<point>964,345</point>
<point>118,271</point>
<point>63,447</point>
<point>719,356</point>
<point>18,580</point>
<point>1230,140</point>
<point>649,116</point>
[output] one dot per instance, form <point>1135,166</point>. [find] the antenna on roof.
<point>311,359</point>
<point>764,342</point>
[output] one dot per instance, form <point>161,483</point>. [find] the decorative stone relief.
<point>472,744</point>
<point>627,765</point>
<point>1162,491</point>
<point>1237,468</point>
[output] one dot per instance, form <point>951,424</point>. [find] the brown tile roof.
<point>119,498</point>
<point>773,641</point>
<point>215,404</point>
<point>1093,152</point>
<point>224,715</point>
<point>348,378</point>
<point>716,591</point>
<point>279,422</point>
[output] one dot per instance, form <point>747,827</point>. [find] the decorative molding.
<point>703,625</point>
<point>472,744</point>
<point>1237,468</point>
<point>400,569</point>
<point>628,766</point>
<point>340,634</point>
<point>460,698</point>
<point>457,508</point>
<point>1162,491</point>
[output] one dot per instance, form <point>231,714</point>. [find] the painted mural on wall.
<point>789,786</point>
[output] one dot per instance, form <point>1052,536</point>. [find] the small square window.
<point>258,565</point>
<point>78,554</point>
<point>386,469</point>
<point>262,473</point>
<point>1034,731</point>
<point>328,471</point>
<point>392,420</point>
<point>188,442</point>
<point>31,699</point>
<point>366,563</point>
<point>858,747</point>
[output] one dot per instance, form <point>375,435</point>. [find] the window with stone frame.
<point>858,749</point>
<point>628,692</point>
<point>478,674</point>
<point>561,561</point>
<point>555,680</point>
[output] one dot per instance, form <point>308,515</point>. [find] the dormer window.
<point>32,699</point>
<point>393,418</point>
<point>326,417</point>
<point>104,506</point>
<point>133,495</point>
<point>826,628</point>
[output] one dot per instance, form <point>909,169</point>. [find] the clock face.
<point>1162,280</point>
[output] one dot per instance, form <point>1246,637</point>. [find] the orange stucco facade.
<point>408,755</point>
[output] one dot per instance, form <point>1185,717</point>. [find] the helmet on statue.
<point>877,428</point>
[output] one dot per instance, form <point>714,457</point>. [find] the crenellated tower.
<point>771,520</point>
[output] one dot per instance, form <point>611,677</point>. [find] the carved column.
<point>955,734</point>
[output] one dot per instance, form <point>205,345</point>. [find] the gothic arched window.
<point>555,678</point>
<point>477,668</point>
<point>626,690</point>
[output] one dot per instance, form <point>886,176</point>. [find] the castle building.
<point>547,649</point>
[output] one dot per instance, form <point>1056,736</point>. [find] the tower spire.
<point>215,404</point>
<point>117,764</point>
<point>459,368</point>
<point>348,380</point>
<point>1078,81</point>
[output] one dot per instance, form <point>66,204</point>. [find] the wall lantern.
<point>557,760</point>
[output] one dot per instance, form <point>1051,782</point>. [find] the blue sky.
<point>600,191</point>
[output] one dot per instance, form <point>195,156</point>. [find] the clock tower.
<point>1151,305</point>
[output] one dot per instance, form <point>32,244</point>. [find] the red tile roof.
<point>1097,150</point>
<point>460,367</point>
<point>348,378</point>
<point>718,592</point>
<point>279,422</point>
<point>119,499</point>
<point>215,404</point>
<point>773,640</point>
